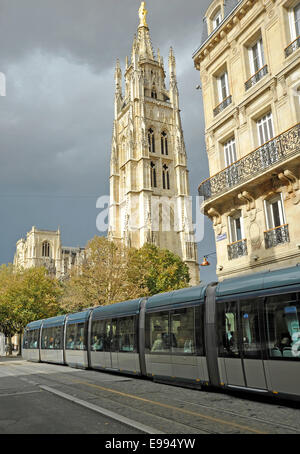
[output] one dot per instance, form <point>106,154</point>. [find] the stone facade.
<point>43,248</point>
<point>149,184</point>
<point>249,63</point>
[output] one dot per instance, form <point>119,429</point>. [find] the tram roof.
<point>117,310</point>
<point>34,325</point>
<point>177,297</point>
<point>78,317</point>
<point>54,321</point>
<point>285,277</point>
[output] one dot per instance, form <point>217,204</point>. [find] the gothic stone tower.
<point>149,187</point>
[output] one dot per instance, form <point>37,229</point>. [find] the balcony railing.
<point>292,47</point>
<point>237,249</point>
<point>277,236</point>
<point>225,103</point>
<point>277,150</point>
<point>256,77</point>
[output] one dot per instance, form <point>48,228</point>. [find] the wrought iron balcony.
<point>292,47</point>
<point>277,150</point>
<point>225,103</point>
<point>256,77</point>
<point>237,249</point>
<point>277,236</point>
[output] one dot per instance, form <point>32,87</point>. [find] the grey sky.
<point>56,119</point>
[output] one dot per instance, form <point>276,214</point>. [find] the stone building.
<point>43,248</point>
<point>149,184</point>
<point>249,63</point>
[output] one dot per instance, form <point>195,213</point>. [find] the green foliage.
<point>114,273</point>
<point>157,270</point>
<point>25,296</point>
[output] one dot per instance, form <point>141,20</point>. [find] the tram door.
<point>111,351</point>
<point>242,344</point>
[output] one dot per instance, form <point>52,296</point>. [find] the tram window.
<point>52,338</point>
<point>80,337</point>
<point>98,335</point>
<point>157,332</point>
<point>26,340</point>
<point>227,329</point>
<point>182,337</point>
<point>283,326</point>
<point>126,334</point>
<point>250,329</point>
<point>70,335</point>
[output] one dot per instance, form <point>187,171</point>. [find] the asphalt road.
<point>51,399</point>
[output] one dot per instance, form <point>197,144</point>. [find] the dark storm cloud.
<point>56,120</point>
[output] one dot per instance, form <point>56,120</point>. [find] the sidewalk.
<point>10,358</point>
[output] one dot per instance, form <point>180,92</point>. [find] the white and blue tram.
<point>240,334</point>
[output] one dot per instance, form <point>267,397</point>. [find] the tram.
<point>239,334</point>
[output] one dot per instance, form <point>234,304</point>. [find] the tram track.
<point>153,410</point>
<point>240,415</point>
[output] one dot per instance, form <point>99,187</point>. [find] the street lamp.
<point>205,261</point>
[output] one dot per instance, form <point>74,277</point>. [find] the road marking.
<point>104,411</point>
<point>188,412</point>
<point>18,394</point>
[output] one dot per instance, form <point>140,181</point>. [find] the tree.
<point>113,273</point>
<point>102,279</point>
<point>26,296</point>
<point>157,270</point>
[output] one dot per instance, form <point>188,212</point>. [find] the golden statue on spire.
<point>143,14</point>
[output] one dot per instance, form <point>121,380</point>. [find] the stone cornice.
<point>218,35</point>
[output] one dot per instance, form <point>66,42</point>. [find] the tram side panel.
<point>52,340</point>
<point>114,343</point>
<point>31,343</point>
<point>76,340</point>
<point>174,349</point>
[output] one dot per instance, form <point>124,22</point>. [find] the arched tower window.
<point>153,93</point>
<point>46,249</point>
<point>153,176</point>
<point>166,177</point>
<point>151,140</point>
<point>164,143</point>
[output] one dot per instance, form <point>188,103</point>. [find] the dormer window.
<point>217,19</point>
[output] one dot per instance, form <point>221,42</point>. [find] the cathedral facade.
<point>149,184</point>
<point>43,248</point>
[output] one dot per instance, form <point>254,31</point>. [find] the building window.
<point>230,152</point>
<point>256,55</point>
<point>238,246</point>
<point>223,86</point>
<point>236,227</point>
<point>258,67</point>
<point>294,17</point>
<point>164,143</point>
<point>224,96</point>
<point>274,210</point>
<point>151,140</point>
<point>265,128</point>
<point>46,249</point>
<point>166,177</point>
<point>232,171</point>
<point>277,229</point>
<point>153,176</point>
